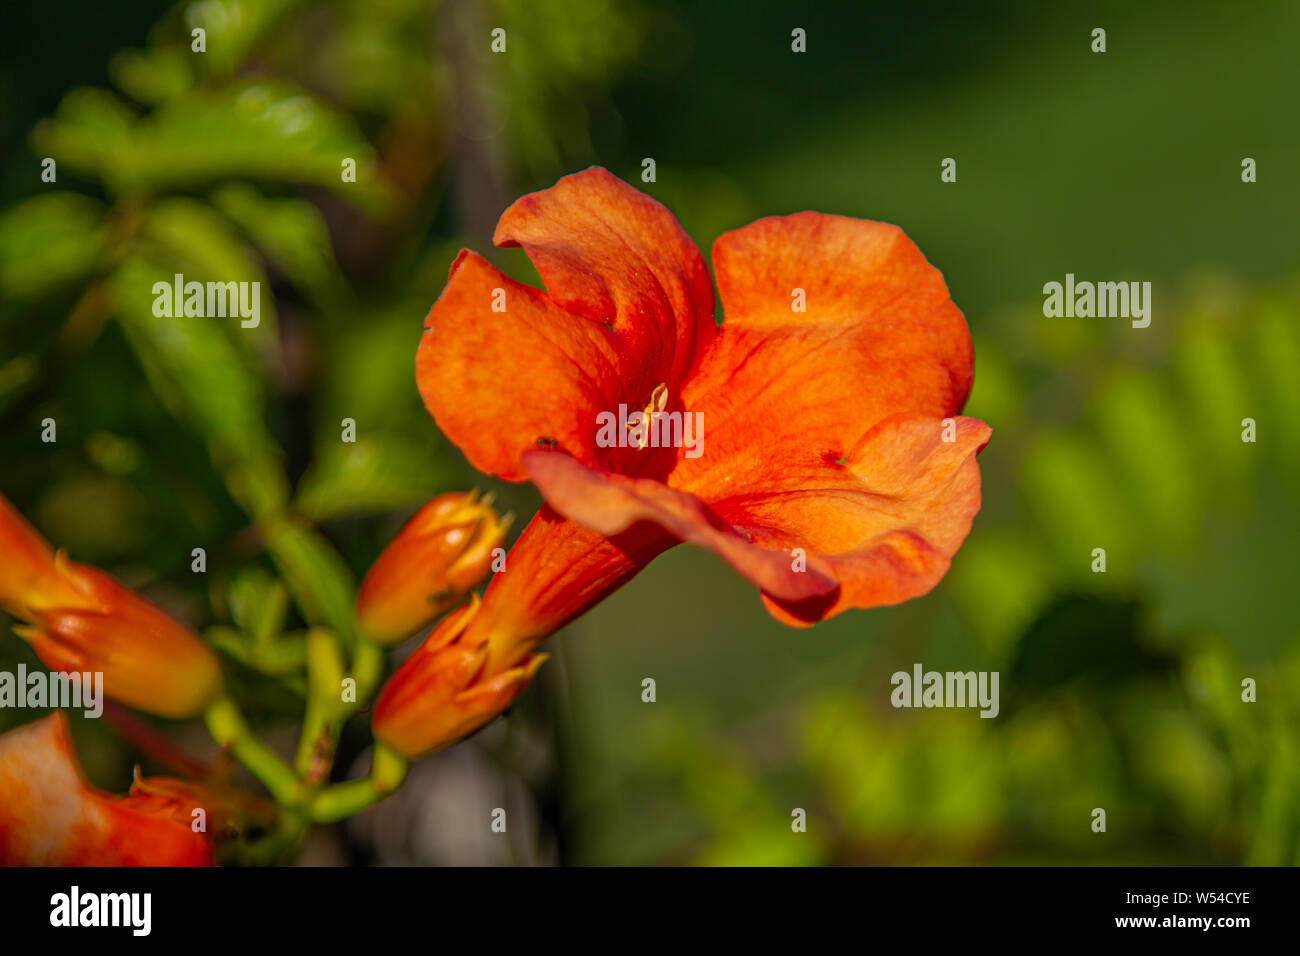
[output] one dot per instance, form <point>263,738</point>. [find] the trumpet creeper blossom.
<point>831,466</point>
<point>50,816</point>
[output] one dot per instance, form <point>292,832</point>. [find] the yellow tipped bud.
<point>438,557</point>
<point>442,692</point>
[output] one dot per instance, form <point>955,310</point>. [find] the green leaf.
<point>1076,502</point>
<point>1276,353</point>
<point>89,127</point>
<point>258,604</point>
<point>15,377</point>
<point>233,28</point>
<point>152,76</point>
<point>377,349</point>
<point>291,233</point>
<point>1218,398</point>
<point>200,245</point>
<point>257,129</point>
<point>286,656</point>
<point>318,579</point>
<point>191,363</point>
<point>1143,433</point>
<point>999,581</point>
<point>49,242</point>
<point>204,379</point>
<point>376,473</point>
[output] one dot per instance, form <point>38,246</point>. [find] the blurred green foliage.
<point>307,148</point>
<point>1120,690</point>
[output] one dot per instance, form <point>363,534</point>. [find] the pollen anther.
<point>658,402</point>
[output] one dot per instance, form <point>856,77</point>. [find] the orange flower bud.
<point>83,620</point>
<point>225,809</point>
<point>50,816</point>
<point>441,692</point>
<point>435,560</point>
<point>28,577</point>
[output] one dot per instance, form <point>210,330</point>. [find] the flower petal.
<point>887,522</point>
<point>610,504</point>
<point>610,253</point>
<point>51,817</point>
<point>498,383</point>
<point>879,529</point>
<point>781,390</point>
<point>628,301</point>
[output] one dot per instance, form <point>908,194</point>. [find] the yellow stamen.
<point>658,402</point>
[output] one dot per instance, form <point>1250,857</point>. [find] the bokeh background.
<point>1119,690</point>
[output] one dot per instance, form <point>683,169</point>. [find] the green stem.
<point>341,800</point>
<point>367,669</point>
<point>325,714</point>
<point>285,836</point>
<point>229,729</point>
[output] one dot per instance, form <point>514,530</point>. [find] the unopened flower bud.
<point>80,619</point>
<point>438,557</point>
<point>441,692</point>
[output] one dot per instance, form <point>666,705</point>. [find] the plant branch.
<point>230,730</point>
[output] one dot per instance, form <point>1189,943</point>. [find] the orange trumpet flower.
<point>50,816</point>
<point>441,554</point>
<point>81,620</point>
<point>812,440</point>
